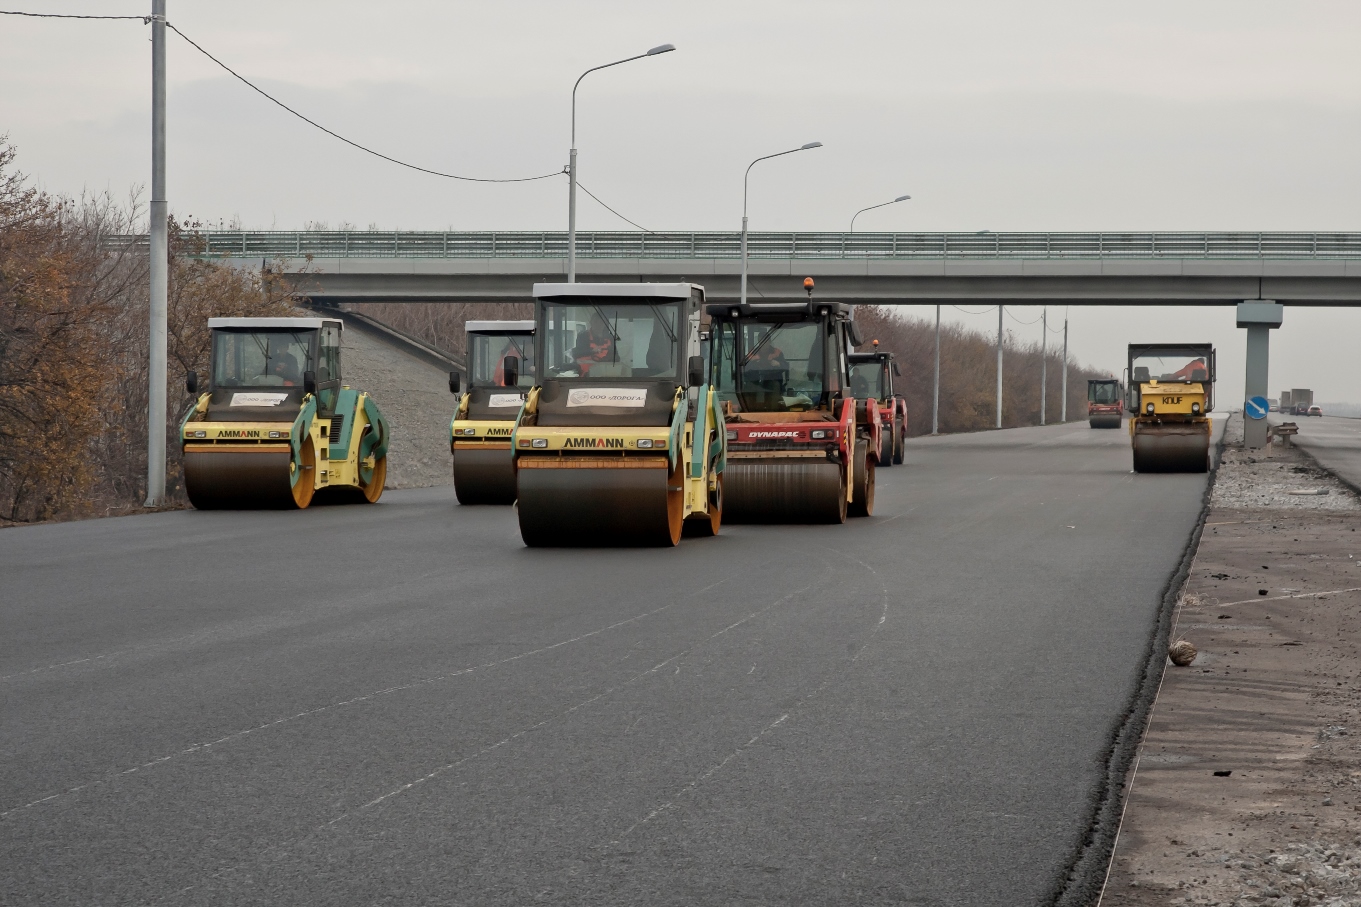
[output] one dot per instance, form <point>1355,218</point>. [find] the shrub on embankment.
<point>74,347</point>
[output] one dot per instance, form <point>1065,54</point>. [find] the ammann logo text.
<point>239,433</point>
<point>498,431</point>
<point>594,442</point>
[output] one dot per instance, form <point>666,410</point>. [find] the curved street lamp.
<point>572,159</point>
<point>745,177</point>
<point>901,198</point>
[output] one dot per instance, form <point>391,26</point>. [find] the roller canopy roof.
<point>631,290</point>
<point>792,309</point>
<point>297,324</point>
<point>500,327</point>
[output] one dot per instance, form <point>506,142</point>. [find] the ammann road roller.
<point>1105,402</point>
<point>1171,393</point>
<point>801,447</point>
<point>872,375</point>
<point>479,435</point>
<point>621,441</point>
<point>274,426</point>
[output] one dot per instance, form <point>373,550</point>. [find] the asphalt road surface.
<point>1334,442</point>
<point>401,704</point>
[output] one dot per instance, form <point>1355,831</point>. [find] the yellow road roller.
<point>801,447</point>
<point>1170,396</point>
<point>479,435</point>
<point>274,426</point>
<point>620,441</point>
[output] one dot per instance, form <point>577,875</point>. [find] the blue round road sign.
<point>1256,408</point>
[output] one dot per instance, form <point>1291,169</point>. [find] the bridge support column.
<point>1259,317</point>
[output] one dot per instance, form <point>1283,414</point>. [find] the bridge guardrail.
<point>710,245</point>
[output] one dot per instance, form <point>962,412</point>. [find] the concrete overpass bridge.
<point>884,268</point>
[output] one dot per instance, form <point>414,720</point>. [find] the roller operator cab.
<point>801,447</point>
<point>1170,396</point>
<point>501,367</point>
<point>1105,402</point>
<point>872,375</point>
<point>273,425</point>
<point>620,440</point>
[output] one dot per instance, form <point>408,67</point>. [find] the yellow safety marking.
<point>531,461</point>
<point>590,438</point>
<point>482,428</point>
<point>236,431</point>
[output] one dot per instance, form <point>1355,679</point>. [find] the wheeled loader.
<point>801,447</point>
<point>479,434</point>
<point>872,375</point>
<point>273,426</point>
<point>1105,402</point>
<point>620,440</point>
<point>1170,396</point>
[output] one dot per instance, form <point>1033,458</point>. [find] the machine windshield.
<point>1169,365</point>
<point>610,339</point>
<point>1103,392</point>
<point>867,380</point>
<point>487,356</point>
<point>261,358</point>
<point>772,367</point>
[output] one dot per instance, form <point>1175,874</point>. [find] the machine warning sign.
<point>506,400</point>
<point>630,397</point>
<point>1256,408</point>
<point>240,399</point>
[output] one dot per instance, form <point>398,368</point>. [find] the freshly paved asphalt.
<point>400,703</point>
<point>1334,442</point>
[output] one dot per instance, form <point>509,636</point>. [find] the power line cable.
<point>583,188</point>
<point>969,312</point>
<point>351,142</point>
<point>1019,321</point>
<point>7,12</point>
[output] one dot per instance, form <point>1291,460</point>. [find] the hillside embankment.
<point>1247,786</point>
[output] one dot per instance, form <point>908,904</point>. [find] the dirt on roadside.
<point>1247,788</point>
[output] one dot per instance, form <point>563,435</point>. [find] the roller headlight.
<point>644,443</point>
<point>539,442</point>
<point>1149,409</point>
<point>1195,408</point>
<point>732,435</point>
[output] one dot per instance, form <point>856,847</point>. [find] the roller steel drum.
<point>231,477</point>
<point>862,495</point>
<point>484,476</point>
<point>1172,448</point>
<point>784,490</point>
<point>1104,420</point>
<point>586,505</point>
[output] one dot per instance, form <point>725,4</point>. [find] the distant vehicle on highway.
<point>1315,411</point>
<point>1273,405</point>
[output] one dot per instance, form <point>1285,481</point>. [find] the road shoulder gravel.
<point>1247,787</point>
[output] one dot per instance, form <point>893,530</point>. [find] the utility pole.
<point>160,268</point>
<point>1000,307</point>
<point>1044,362</point>
<point>1065,364</point>
<point>935,405</point>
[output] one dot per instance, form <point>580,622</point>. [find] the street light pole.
<point>901,198</point>
<point>1065,364</point>
<point>745,179</point>
<point>999,365</point>
<point>572,160</point>
<point>1044,362</point>
<point>157,390</point>
<point>935,404</point>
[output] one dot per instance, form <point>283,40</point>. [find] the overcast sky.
<point>1186,115</point>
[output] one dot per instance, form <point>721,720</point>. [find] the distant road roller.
<point>274,426</point>
<point>1170,396</point>
<point>620,442</point>
<point>479,435</point>
<point>1105,402</point>
<point>801,447</point>
<point>872,375</point>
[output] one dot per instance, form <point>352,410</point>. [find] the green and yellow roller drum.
<point>274,427</point>
<point>500,372</point>
<point>621,441</point>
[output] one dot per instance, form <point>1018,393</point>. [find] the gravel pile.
<point>1276,477</point>
<point>414,397</point>
<point>1318,875</point>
